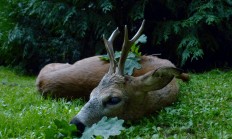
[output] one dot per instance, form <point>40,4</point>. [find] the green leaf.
<point>142,39</point>
<point>135,50</point>
<point>190,48</point>
<point>106,6</point>
<point>130,65</point>
<point>211,19</point>
<point>61,129</point>
<point>104,57</point>
<point>176,28</point>
<point>117,55</point>
<point>106,127</point>
<point>50,133</point>
<point>64,127</point>
<point>70,13</point>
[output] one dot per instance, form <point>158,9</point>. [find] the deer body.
<point>72,81</point>
<point>79,79</point>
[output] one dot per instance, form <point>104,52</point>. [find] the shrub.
<point>61,31</point>
<point>193,30</point>
<point>5,25</point>
<point>190,33</point>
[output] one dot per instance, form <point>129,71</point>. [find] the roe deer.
<point>125,96</point>
<point>79,79</point>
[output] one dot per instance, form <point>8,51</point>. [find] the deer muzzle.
<point>80,126</point>
<point>88,115</point>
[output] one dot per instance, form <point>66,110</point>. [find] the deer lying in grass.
<point>79,79</point>
<point>129,97</point>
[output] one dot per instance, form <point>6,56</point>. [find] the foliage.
<point>61,129</point>
<point>47,31</point>
<point>184,31</point>
<point>189,47</point>
<point>104,128</point>
<point>5,25</point>
<point>59,31</point>
<point>190,27</point>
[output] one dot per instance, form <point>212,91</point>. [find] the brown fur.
<point>79,79</point>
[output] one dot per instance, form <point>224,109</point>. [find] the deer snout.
<point>80,126</point>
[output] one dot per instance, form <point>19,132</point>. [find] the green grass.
<point>24,113</point>
<point>203,110</point>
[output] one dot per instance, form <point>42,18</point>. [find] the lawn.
<point>203,110</point>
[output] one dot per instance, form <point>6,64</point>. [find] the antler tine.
<point>126,47</point>
<point>109,48</point>
<point>139,33</point>
<point>125,51</point>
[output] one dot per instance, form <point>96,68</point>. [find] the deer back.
<point>79,79</point>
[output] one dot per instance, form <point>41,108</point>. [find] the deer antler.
<point>110,50</point>
<point>126,47</point>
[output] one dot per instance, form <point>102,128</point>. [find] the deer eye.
<point>113,100</point>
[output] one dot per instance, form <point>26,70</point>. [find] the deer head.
<point>121,95</point>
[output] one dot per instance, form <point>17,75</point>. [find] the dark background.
<point>195,35</point>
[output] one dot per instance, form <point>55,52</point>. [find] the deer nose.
<point>80,126</point>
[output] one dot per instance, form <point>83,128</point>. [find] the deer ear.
<point>156,79</point>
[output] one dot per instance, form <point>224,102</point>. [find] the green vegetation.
<point>189,32</point>
<point>105,128</point>
<point>195,27</point>
<point>58,31</point>
<point>203,110</point>
<point>5,22</point>
<point>24,113</point>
